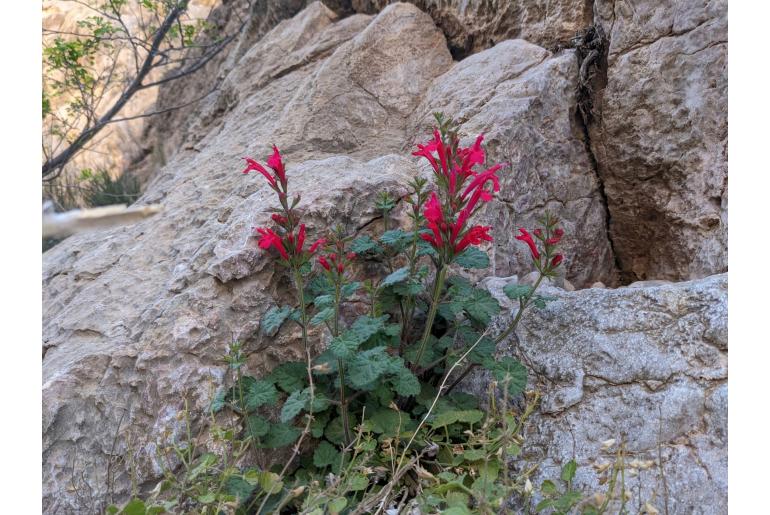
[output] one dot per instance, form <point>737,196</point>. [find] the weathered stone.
<point>474,25</point>
<point>523,99</point>
<point>648,366</point>
<point>660,137</point>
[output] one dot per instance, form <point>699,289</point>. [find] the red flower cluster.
<point>447,221</point>
<point>331,262</point>
<point>288,245</point>
<point>549,240</point>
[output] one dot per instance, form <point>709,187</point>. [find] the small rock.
<point>598,284</point>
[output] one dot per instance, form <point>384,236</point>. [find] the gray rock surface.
<point>660,137</point>
<point>647,366</point>
<point>136,319</point>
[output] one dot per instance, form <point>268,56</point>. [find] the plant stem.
<point>341,367</point>
<point>505,333</point>
<point>437,286</point>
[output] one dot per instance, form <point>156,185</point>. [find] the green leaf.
<point>296,402</point>
<point>325,454</point>
<point>548,487</point>
<point>568,500</point>
<point>270,482</point>
<point>134,507</point>
<point>472,258</point>
<point>319,424</point>
<point>406,383</point>
<point>362,329</point>
<point>290,377</point>
<point>396,238</point>
<point>324,301</point>
<point>364,244</point>
<point>280,435</point>
<point>367,366</point>
<point>322,316</point>
<point>219,401</point>
<point>259,393</point>
<point>509,370</point>
<point>481,306</point>
<point>272,320</point>
<point>517,291</point>
<point>400,275</point>
<point>357,482</point>
<point>238,487</point>
<point>568,471</point>
<point>446,418</point>
<point>350,289</point>
<point>335,506</point>
<point>539,301</point>
<point>257,426</point>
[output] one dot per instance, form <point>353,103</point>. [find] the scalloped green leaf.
<point>472,258</point>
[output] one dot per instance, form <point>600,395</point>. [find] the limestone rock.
<point>661,136</point>
<point>647,365</point>
<point>474,25</point>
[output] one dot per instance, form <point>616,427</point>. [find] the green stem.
<point>505,333</point>
<point>437,286</point>
<point>303,314</point>
<point>341,367</point>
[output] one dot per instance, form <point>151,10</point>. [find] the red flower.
<point>280,220</point>
<point>556,238</point>
<point>351,256</point>
<point>527,238</point>
<point>253,165</point>
<point>556,261</point>
<point>300,238</point>
<point>488,175</point>
<point>473,155</point>
<point>317,244</point>
<point>474,236</point>
<point>268,238</point>
<point>432,210</point>
<point>538,233</point>
<point>322,261</point>
<point>276,163</point>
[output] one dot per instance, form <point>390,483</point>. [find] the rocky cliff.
<point>136,319</point>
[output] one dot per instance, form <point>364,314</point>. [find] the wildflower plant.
<point>375,420</point>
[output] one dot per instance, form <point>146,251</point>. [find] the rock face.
<point>661,137</point>
<point>647,365</point>
<point>137,318</point>
<point>474,25</point>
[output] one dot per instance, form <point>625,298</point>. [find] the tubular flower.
<point>527,238</point>
<point>474,236</point>
<point>276,163</point>
<point>314,247</point>
<point>268,238</point>
<point>253,165</point>
<point>300,238</point>
<point>432,211</point>
<point>280,220</point>
<point>324,263</point>
<point>488,175</point>
<point>556,238</point>
<point>556,261</point>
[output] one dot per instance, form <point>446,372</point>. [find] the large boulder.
<point>660,137</point>
<point>647,366</point>
<point>474,25</point>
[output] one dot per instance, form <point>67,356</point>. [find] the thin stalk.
<point>523,305</point>
<point>311,386</point>
<point>437,286</point>
<point>341,367</point>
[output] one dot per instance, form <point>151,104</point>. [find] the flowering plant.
<point>385,386</point>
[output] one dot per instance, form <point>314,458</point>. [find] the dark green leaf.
<point>364,244</point>
<point>350,289</point>
<point>368,366</point>
<point>257,426</point>
<point>568,471</point>
<point>509,370</point>
<point>259,393</point>
<point>398,276</point>
<point>296,402</point>
<point>362,329</point>
<point>290,377</point>
<point>473,258</point>
<point>280,435</point>
<point>134,507</point>
<point>238,487</point>
<point>406,383</point>
<point>272,320</point>
<point>517,291</point>
<point>325,454</point>
<point>322,316</point>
